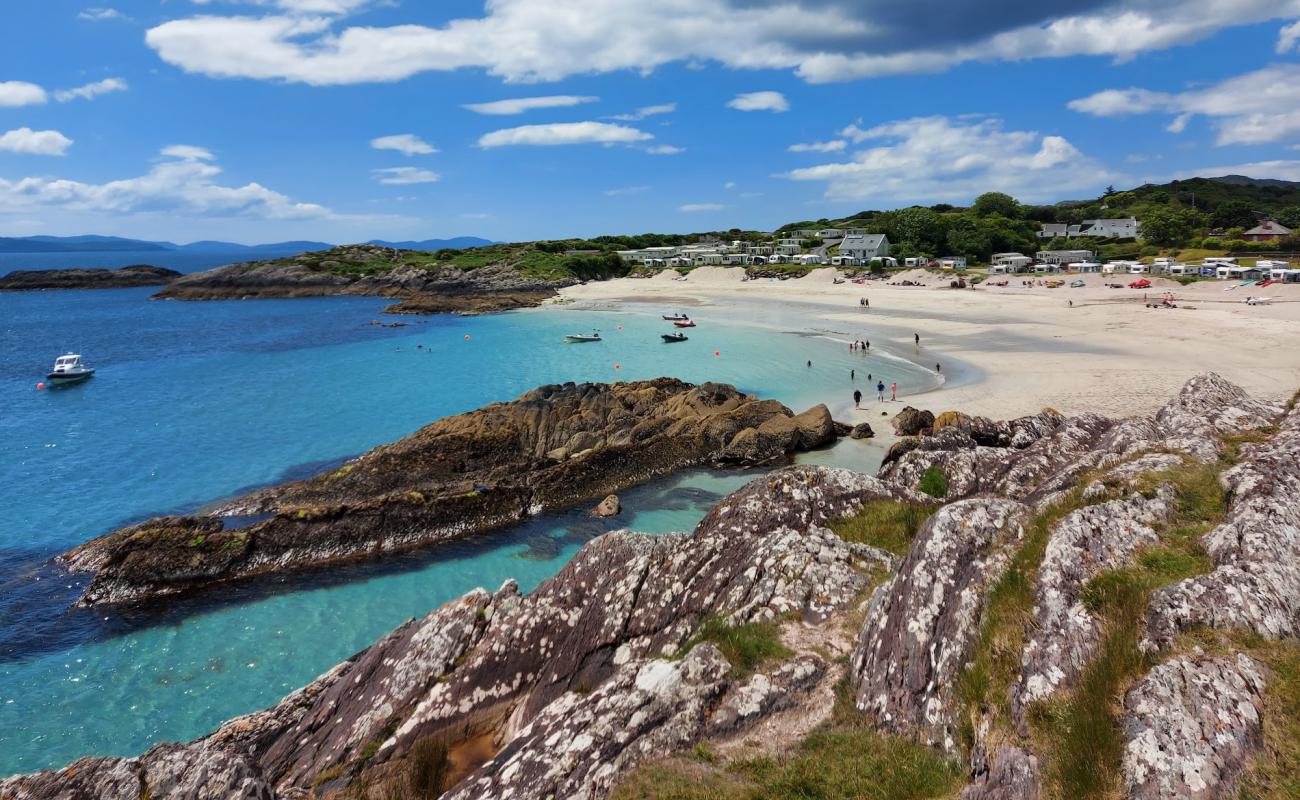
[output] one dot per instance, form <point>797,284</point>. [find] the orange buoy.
<point>717,352</point>
<point>618,366</point>
<point>467,337</point>
<point>40,386</point>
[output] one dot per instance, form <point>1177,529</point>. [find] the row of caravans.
<point>1221,268</point>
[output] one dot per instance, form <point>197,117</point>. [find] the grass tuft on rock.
<point>934,483</point>
<point>890,525</point>
<point>843,759</point>
<point>747,646</point>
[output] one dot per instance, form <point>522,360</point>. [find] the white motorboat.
<point>69,369</point>
<point>594,336</point>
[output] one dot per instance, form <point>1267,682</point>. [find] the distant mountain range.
<point>117,244</point>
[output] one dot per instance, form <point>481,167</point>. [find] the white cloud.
<point>626,190</point>
<point>1288,37</point>
<point>1281,170</point>
<point>564,133</point>
<point>404,176</point>
<point>832,146</point>
<point>35,143</point>
<point>172,186</point>
<point>729,185</point>
<point>91,90</point>
<point>1255,108</point>
<point>693,208</point>
<point>665,150</point>
<point>646,111</point>
<point>523,104</point>
<point>954,159</point>
<point>476,215</point>
<point>20,93</point>
<point>821,40</point>
<point>187,152</point>
<point>408,144</point>
<point>100,14</point>
<point>760,101</point>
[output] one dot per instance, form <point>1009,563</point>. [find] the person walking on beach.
<point>857,398</point>
<point>936,369</point>
<point>810,364</point>
<point>917,336</point>
<point>880,390</point>
<point>866,345</point>
<point>853,374</point>
<point>893,390</point>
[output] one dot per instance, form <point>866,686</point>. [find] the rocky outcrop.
<point>861,431</point>
<point>86,278</point>
<point>571,679</point>
<point>554,447</point>
<point>911,422</point>
<point>609,507</point>
<point>1191,724</point>
<point>1009,774</point>
<point>1085,543</point>
<point>427,285</point>
<point>922,624</point>
<point>1256,583</point>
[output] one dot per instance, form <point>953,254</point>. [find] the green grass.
<point>890,525</point>
<point>1275,773</point>
<point>843,759</point>
<point>747,647</point>
<point>934,483</point>
<point>983,686</point>
<point>1078,732</point>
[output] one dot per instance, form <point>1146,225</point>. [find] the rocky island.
<point>84,278</point>
<point>478,280</point>
<point>553,448</point>
<point>1076,606</point>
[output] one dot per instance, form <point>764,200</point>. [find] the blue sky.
<point>344,120</point>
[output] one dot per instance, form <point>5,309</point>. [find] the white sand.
<point>820,275</point>
<point>713,276</point>
<point>669,275</point>
<point>1029,347</point>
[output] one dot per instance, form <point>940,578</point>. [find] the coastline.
<point>1011,351</point>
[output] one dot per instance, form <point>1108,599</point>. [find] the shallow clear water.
<point>194,402</point>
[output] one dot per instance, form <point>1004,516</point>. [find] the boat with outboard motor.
<point>69,369</point>
<point>673,337</point>
<point>594,336</point>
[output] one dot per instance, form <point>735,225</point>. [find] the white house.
<point>1101,228</point>
<point>865,247</point>
<point>1063,256</point>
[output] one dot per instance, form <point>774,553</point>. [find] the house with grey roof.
<point>865,246</point>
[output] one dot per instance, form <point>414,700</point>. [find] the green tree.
<point>1290,217</point>
<point>1166,226</point>
<point>996,203</point>
<point>1233,214</point>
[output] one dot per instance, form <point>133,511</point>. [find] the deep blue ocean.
<point>195,402</point>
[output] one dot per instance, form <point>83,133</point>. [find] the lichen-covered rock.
<point>1010,774</point>
<point>1256,583</point>
<point>763,694</point>
<point>1207,406</point>
<point>1084,543</point>
<point>579,746</point>
<point>1190,726</point>
<point>911,422</point>
<point>554,447</point>
<point>922,624</point>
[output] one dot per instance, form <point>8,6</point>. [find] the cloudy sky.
<point>261,120</point>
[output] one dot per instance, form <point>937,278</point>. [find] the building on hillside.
<point>1063,256</point>
<point>865,247</point>
<point>1266,231</point>
<point>830,233</point>
<point>854,231</point>
<point>788,247</point>
<point>1127,227</point>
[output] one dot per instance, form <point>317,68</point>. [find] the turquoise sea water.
<point>195,402</point>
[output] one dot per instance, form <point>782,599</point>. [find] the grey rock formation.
<point>862,431</point>
<point>1009,774</point>
<point>1191,724</point>
<point>1083,544</point>
<point>1256,583</point>
<point>922,624</point>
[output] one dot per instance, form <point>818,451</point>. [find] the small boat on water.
<point>677,317</point>
<point>684,324</point>
<point>69,369</point>
<point>594,336</point>
<point>673,337</point>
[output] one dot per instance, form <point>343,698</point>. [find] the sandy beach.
<point>1012,350</point>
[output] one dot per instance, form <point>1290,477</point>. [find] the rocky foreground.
<point>553,448</point>
<point>83,278</point>
<point>1097,608</point>
<point>424,286</point>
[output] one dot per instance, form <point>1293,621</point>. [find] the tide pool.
<point>195,402</point>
